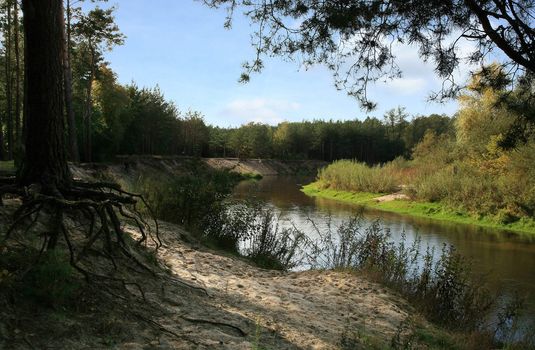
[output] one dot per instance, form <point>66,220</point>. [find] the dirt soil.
<point>264,167</point>
<point>201,299</point>
<point>295,310</point>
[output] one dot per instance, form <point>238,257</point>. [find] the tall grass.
<point>502,191</point>
<point>348,175</point>
<point>505,196</point>
<point>255,231</point>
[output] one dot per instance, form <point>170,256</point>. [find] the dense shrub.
<point>348,175</point>
<point>186,199</point>
<point>201,203</point>
<point>506,196</point>
<point>255,232</point>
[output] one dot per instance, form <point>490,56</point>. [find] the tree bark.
<point>2,155</point>
<point>71,121</point>
<point>88,144</point>
<point>9,84</point>
<point>17,76</point>
<point>45,159</point>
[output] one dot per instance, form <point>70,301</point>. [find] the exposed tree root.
<point>86,219</point>
<point>100,205</point>
<point>191,286</point>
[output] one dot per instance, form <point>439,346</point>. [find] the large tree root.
<point>100,205</point>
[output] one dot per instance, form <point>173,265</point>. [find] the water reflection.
<point>509,259</point>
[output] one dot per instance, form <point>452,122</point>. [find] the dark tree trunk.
<point>71,122</point>
<point>45,160</point>
<point>17,76</point>
<point>2,155</point>
<point>88,144</point>
<point>9,84</point>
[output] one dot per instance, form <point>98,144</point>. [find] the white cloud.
<point>259,110</point>
<point>419,79</point>
<point>407,86</point>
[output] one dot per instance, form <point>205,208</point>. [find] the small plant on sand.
<point>257,342</point>
<point>255,232</point>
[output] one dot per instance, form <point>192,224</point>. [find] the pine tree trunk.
<point>2,155</point>
<point>89,111</point>
<point>9,84</point>
<point>45,160</point>
<point>17,76</point>
<point>71,122</point>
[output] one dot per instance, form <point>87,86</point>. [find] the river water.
<point>506,258</point>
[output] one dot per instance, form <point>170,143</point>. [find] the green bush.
<point>348,175</point>
<point>186,199</point>
<point>253,231</point>
<point>271,247</point>
<point>505,196</point>
<point>227,227</point>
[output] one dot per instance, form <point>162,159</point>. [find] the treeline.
<point>133,120</point>
<point>105,118</point>
<point>371,140</point>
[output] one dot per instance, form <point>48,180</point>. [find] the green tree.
<point>252,140</point>
<point>484,117</point>
<point>111,101</point>
<point>154,126</point>
<point>219,139</point>
<point>194,134</point>
<point>282,139</point>
<point>416,129</point>
<point>94,33</point>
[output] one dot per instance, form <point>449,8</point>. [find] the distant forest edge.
<point>150,125</point>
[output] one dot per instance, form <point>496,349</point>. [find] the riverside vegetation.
<point>439,284</point>
<point>470,175</point>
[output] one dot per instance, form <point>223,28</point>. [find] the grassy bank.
<point>428,210</point>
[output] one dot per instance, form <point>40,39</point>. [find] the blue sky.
<point>181,46</point>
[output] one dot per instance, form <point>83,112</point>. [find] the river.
<point>506,258</point>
